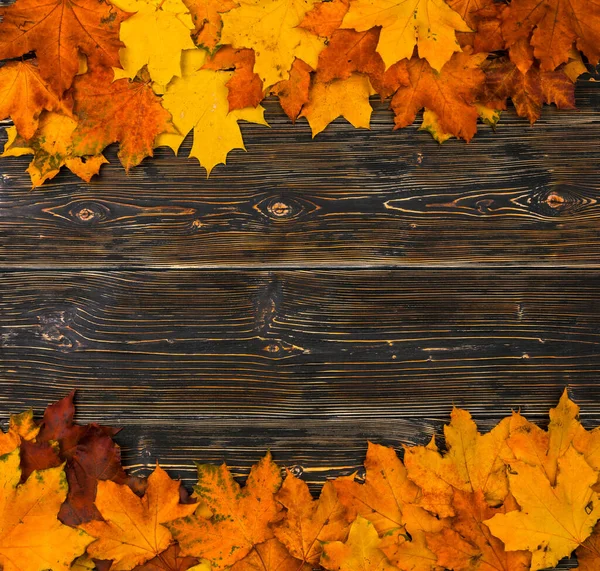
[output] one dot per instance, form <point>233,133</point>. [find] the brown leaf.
<point>294,92</point>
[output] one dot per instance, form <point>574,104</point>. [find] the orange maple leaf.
<point>307,523</point>
<point>132,531</point>
<point>24,94</point>
<point>450,93</point>
<point>245,88</point>
<point>349,51</point>
<point>206,15</point>
<point>270,556</point>
<point>57,31</point>
<point>557,25</point>
<point>240,516</point>
<point>325,17</point>
<point>125,111</point>
<point>294,92</point>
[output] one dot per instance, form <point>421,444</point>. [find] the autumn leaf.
<point>588,553</point>
<point>554,27</point>
<point>554,519</point>
<point>467,544</point>
<point>270,556</point>
<point>57,30</point>
<point>361,551</point>
<point>244,87</point>
<point>307,523</point>
<point>31,537</point>
<point>198,101</point>
<point>348,98</point>
<point>206,15</point>
<point>122,111</point>
<point>450,94</point>
<point>324,18</point>
<point>21,427</point>
<point>529,91</point>
<point>431,25</point>
<point>349,51</point>
<point>132,531</point>
<point>388,499</point>
<point>240,516</point>
<point>484,18</point>
<point>294,92</point>
<point>473,463</point>
<point>24,94</point>
<point>168,20</point>
<point>52,147</point>
<point>271,29</point>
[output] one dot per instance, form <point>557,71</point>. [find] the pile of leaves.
<point>514,499</point>
<point>82,74</point>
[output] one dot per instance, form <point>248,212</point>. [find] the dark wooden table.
<point>312,294</point>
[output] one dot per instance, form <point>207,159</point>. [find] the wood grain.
<point>207,365</point>
<point>350,198</point>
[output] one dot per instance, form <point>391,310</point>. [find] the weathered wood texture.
<point>349,198</point>
<point>213,365</point>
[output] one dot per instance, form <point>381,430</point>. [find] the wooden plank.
<point>379,198</point>
<point>223,365</point>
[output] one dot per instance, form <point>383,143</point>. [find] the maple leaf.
<point>484,17</point>
<point>24,94</point>
<point>554,519</point>
<point>361,551</point>
<point>31,537</point>
<point>271,28</point>
<point>324,18</point>
<point>529,91</point>
<point>57,30</point>
<point>349,51</point>
<point>556,25</point>
<point>294,92</point>
<point>168,20</point>
<point>132,531</point>
<point>245,87</point>
<point>468,543</point>
<point>348,98</point>
<point>206,15</point>
<point>473,463</point>
<point>431,25</point>
<point>21,427</point>
<point>387,499</point>
<point>450,93</point>
<point>307,523</point>
<point>198,101</point>
<point>124,111</point>
<point>240,516</point>
<point>52,147</point>
<point>270,556</point>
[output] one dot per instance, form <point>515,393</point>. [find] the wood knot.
<point>279,209</point>
<point>85,214</point>
<point>554,200</point>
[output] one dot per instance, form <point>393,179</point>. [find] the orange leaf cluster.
<point>80,75</point>
<point>517,498</point>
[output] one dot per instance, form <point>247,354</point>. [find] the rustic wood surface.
<point>312,294</point>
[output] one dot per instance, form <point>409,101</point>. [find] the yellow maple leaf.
<point>431,25</point>
<point>31,536</point>
<point>361,552</point>
<point>271,28</point>
<point>554,519</point>
<point>132,532</point>
<point>198,101</point>
<point>51,147</point>
<point>348,98</point>
<point>154,36</point>
<point>240,516</point>
<point>473,463</point>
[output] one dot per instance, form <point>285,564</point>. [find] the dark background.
<point>310,295</point>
